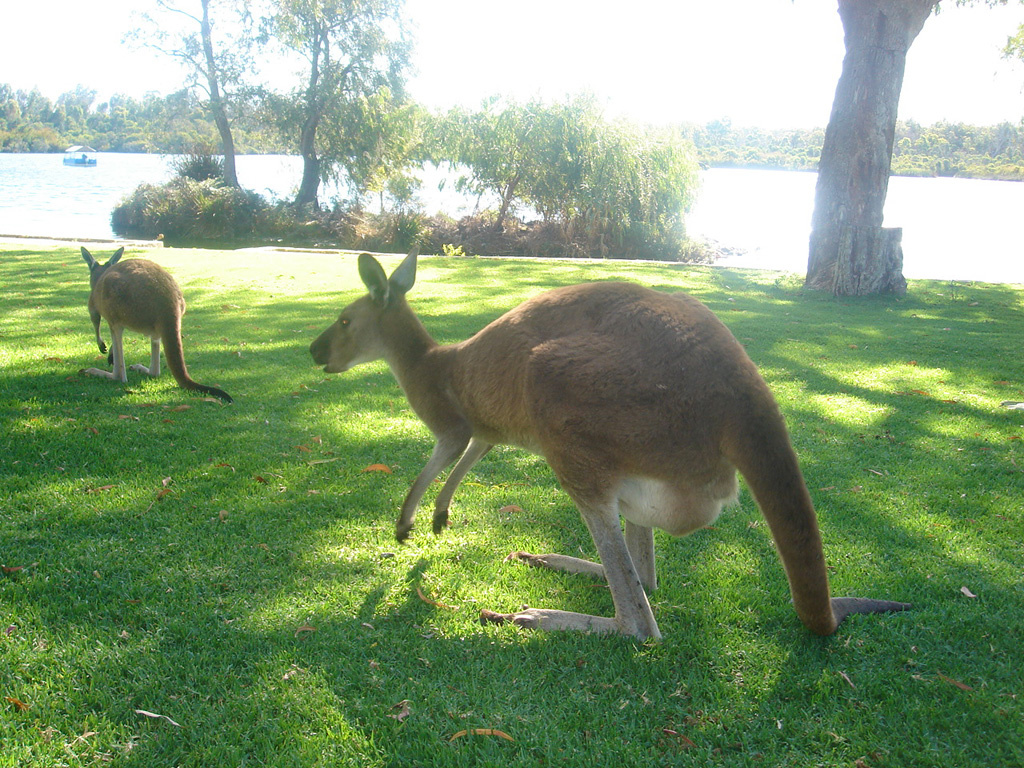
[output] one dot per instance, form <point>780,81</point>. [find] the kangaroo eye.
<point>345,322</point>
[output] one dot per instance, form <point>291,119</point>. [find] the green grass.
<point>263,605</point>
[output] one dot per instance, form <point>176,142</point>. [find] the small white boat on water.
<point>79,156</point>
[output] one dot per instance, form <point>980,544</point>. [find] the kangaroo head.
<point>96,269</point>
<point>358,335</point>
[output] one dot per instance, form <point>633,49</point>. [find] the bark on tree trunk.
<point>850,252</point>
<point>310,184</point>
<point>220,116</point>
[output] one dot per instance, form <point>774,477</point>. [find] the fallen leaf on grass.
<point>19,705</point>
<point>17,568</point>
<point>303,448</point>
<point>378,468</point>
<point>222,464</point>
<point>427,600</point>
<point>687,743</point>
<point>966,592</point>
<point>846,677</point>
<point>324,461</point>
<point>482,732</point>
<point>161,493</point>
<point>403,710</point>
<point>155,716</point>
<point>957,683</point>
<point>510,508</point>
<point>177,408</point>
<point>305,629</point>
<point>97,490</point>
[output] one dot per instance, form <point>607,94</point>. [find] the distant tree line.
<point>942,149</point>
<point>179,124</point>
<point>174,124</point>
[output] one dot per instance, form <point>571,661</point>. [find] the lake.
<point>953,229</point>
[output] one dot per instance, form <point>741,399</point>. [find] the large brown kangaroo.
<point>643,404</point>
<point>139,294</point>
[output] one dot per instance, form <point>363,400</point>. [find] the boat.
<point>78,156</point>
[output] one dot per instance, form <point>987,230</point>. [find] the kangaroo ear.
<point>117,255</point>
<point>404,276</point>
<point>373,277</point>
<point>88,258</point>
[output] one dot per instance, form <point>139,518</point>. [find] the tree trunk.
<point>313,111</point>
<point>220,117</point>
<point>867,260</point>
<point>310,184</point>
<point>850,252</point>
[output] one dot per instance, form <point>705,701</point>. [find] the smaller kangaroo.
<point>643,404</point>
<point>141,295</point>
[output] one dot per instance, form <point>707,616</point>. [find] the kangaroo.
<point>141,295</point>
<point>643,404</point>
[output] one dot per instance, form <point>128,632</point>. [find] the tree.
<point>352,49</point>
<point>376,141</point>
<point>214,71</point>
<point>606,186</point>
<point>850,252</point>
<point>497,144</point>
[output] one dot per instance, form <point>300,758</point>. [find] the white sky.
<point>767,63</point>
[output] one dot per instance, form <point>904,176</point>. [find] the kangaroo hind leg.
<point>154,360</point>
<point>116,358</point>
<point>633,615</point>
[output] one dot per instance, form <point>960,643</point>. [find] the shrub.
<point>188,211</point>
<point>198,165</point>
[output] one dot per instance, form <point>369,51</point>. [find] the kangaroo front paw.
<point>525,618</point>
<point>440,520</point>
<point>402,531</point>
<point>536,561</point>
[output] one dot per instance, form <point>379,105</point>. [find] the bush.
<point>188,211</point>
<point>198,165</point>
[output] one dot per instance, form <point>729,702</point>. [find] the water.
<point>40,196</point>
<point>953,229</point>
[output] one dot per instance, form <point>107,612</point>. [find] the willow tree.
<point>851,253</point>
<point>351,50</point>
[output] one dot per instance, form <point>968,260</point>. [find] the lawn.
<point>192,584</point>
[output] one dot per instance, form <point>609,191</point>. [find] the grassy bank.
<point>192,584</point>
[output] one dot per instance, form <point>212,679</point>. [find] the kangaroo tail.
<point>176,362</point>
<point>765,457</point>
